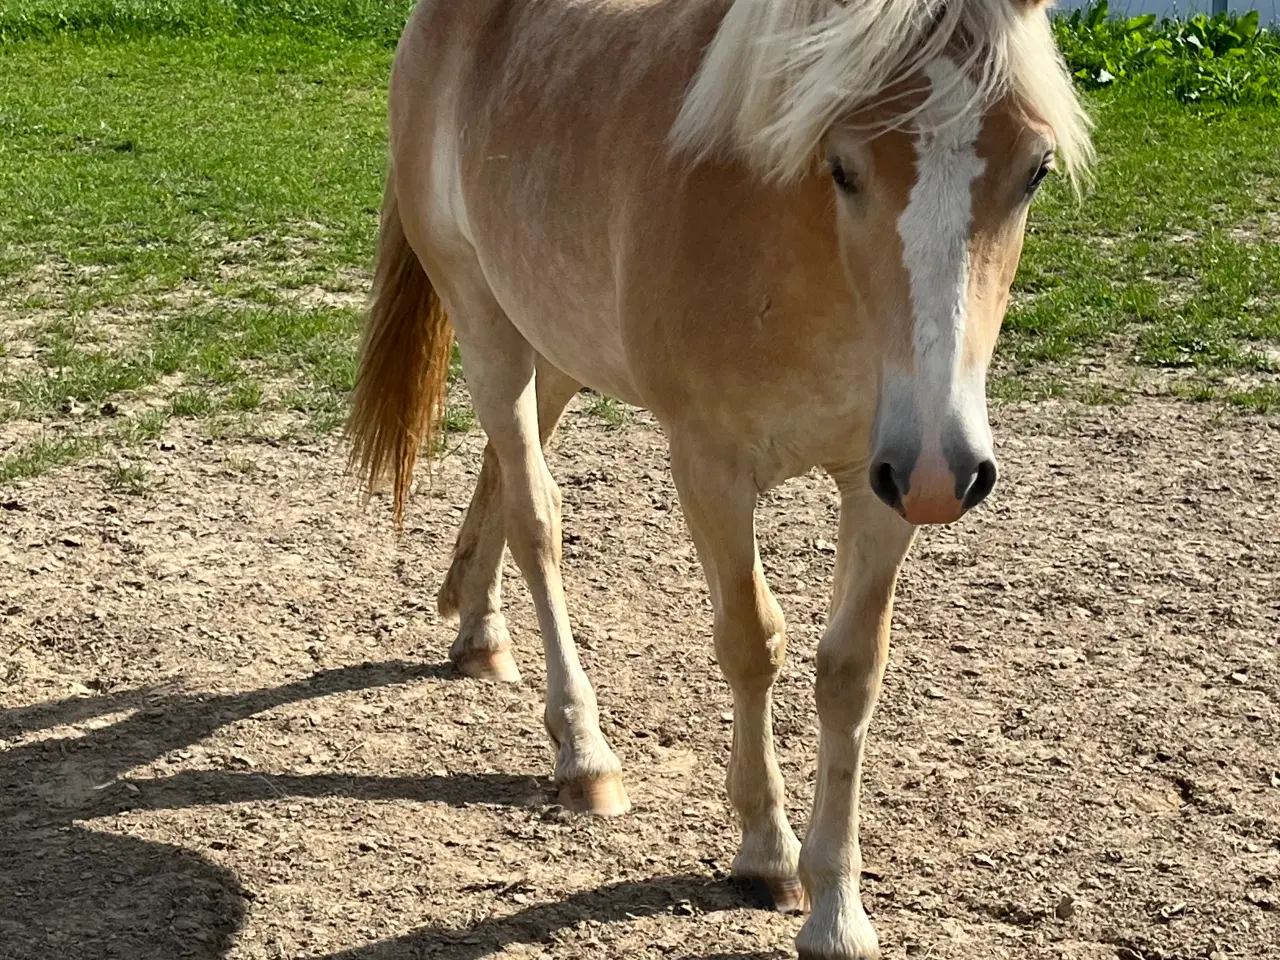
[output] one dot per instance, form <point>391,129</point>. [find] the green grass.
<point>170,203</point>
<point>1263,399</point>
<point>612,412</point>
<point>1172,256</point>
<point>379,20</point>
<point>191,195</point>
<point>38,456</point>
<point>128,478</point>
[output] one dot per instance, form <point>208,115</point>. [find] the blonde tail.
<point>399,398</point>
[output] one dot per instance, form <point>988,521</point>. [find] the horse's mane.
<point>779,73</point>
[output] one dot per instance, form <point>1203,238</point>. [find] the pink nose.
<point>933,492</point>
<point>931,501</point>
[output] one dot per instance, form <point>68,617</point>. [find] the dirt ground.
<point>227,728</point>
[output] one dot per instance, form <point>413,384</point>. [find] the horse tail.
<point>399,397</point>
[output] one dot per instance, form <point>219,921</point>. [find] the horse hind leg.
<point>472,589</point>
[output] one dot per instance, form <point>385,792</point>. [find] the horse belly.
<point>562,308</point>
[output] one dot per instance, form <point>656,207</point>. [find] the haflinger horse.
<point>786,227</point>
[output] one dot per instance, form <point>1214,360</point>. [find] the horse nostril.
<point>885,485</point>
<point>984,481</point>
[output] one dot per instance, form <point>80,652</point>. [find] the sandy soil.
<point>227,729</point>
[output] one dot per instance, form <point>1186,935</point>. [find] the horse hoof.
<point>784,894</point>
<point>601,796</point>
<point>498,666</point>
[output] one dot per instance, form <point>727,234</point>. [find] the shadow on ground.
<point>540,923</point>
<point>69,891</point>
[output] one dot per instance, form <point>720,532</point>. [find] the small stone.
<point>1066,909</point>
<point>1172,911</point>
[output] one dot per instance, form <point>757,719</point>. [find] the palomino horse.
<point>786,227</point>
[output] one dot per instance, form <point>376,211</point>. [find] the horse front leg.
<point>851,658</point>
<point>719,499</point>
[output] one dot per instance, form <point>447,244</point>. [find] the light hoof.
<point>827,935</point>
<point>784,894</point>
<point>498,666</point>
<point>600,796</point>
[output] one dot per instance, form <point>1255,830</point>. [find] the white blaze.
<point>935,225</point>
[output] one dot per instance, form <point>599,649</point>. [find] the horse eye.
<point>1039,175</point>
<point>842,178</point>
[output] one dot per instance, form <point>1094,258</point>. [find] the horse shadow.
<point>689,894</point>
<point>76,893</point>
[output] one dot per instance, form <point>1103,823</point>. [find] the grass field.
<point>191,199</point>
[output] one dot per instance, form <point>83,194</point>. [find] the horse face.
<point>931,221</point>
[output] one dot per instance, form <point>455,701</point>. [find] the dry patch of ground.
<point>227,729</point>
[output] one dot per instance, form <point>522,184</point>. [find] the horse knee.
<point>752,646</point>
<point>847,684</point>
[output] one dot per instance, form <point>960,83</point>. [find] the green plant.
<point>191,403</point>
<point>245,396</point>
<point>613,413</point>
<point>128,478</point>
<point>1225,58</point>
<point>459,418</point>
